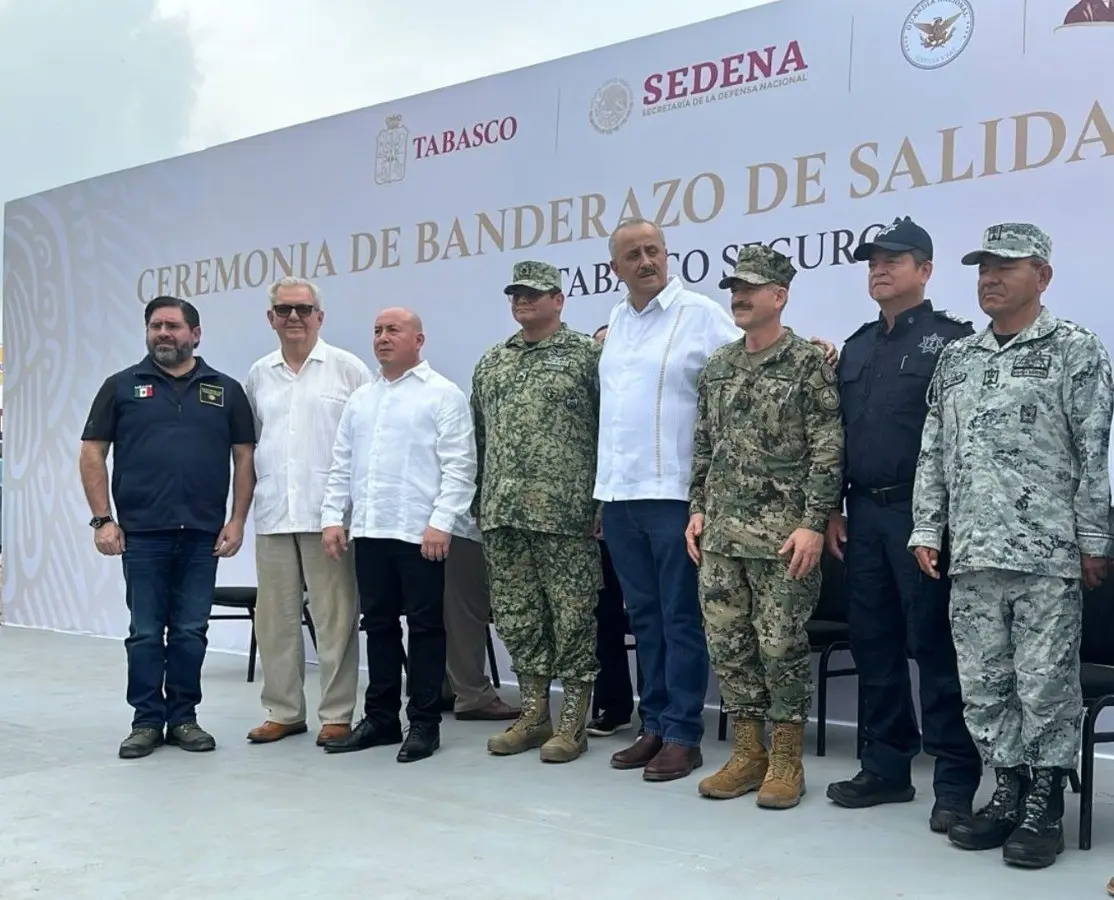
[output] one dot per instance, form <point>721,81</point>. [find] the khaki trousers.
<point>282,562</point>
<point>467,612</point>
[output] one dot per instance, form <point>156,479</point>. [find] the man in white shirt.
<point>404,467</point>
<point>659,338</point>
<point>297,394</point>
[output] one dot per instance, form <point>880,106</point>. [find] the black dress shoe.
<point>366,734</point>
<point>421,741</point>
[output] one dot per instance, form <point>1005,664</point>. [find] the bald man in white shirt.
<point>297,394</point>
<point>403,474</point>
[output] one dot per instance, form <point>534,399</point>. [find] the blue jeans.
<point>646,539</point>
<point>170,578</point>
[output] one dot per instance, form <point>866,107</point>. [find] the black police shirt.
<point>883,384</point>
<point>171,442</point>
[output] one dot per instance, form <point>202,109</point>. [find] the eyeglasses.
<point>283,310</point>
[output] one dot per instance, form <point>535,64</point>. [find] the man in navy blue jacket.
<point>172,422</point>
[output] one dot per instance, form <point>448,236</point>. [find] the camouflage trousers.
<point>754,617</point>
<point>544,590</point>
<point>1017,640</point>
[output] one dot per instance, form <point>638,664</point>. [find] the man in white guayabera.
<point>297,394</point>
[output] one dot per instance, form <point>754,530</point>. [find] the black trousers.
<point>895,611</point>
<point>394,581</point>
<point>613,691</point>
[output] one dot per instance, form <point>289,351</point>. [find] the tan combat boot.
<point>746,768</point>
<point>785,779</point>
<point>571,739</point>
<point>533,726</point>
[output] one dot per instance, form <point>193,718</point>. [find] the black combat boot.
<point>992,825</point>
<point>1039,837</point>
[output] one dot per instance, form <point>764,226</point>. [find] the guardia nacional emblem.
<point>391,148</point>
<point>936,32</point>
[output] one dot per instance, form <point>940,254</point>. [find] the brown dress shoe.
<point>672,762</point>
<point>637,754</point>
<point>332,733</point>
<point>495,711</point>
<point>269,732</point>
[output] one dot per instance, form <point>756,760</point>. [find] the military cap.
<point>759,264</point>
<point>1012,240</point>
<point>902,236</point>
<point>534,276</point>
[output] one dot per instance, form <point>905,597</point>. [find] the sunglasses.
<point>283,310</point>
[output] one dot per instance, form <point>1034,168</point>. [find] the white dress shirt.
<point>404,458</point>
<point>296,418</point>
<point>648,374</point>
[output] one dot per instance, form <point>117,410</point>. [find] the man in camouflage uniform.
<point>766,476</point>
<point>535,399</point>
<point>1013,463</point>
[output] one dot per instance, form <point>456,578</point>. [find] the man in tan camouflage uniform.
<point>1013,463</point>
<point>766,476</point>
<point>535,399</point>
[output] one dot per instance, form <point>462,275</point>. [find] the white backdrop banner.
<point>804,124</point>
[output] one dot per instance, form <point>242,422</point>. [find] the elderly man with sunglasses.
<point>297,394</point>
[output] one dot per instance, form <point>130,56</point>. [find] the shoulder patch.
<point>862,329</point>
<point>949,316</point>
<point>821,377</point>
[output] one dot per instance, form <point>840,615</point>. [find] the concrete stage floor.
<point>287,821</point>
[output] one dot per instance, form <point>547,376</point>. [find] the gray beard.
<point>171,355</point>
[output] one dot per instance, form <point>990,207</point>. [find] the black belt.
<point>898,493</point>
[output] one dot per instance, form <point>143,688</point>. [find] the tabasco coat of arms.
<point>391,148</point>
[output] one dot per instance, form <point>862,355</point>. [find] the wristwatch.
<point>99,521</point>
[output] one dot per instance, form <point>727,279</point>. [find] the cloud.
<point>87,88</point>
<point>93,87</point>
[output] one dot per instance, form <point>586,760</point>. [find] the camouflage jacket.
<point>768,448</point>
<point>1014,452</point>
<point>536,411</point>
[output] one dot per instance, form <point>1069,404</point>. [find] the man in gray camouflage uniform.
<point>1014,462</point>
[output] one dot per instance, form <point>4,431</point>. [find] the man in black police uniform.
<point>884,373</point>
<point>172,421</point>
